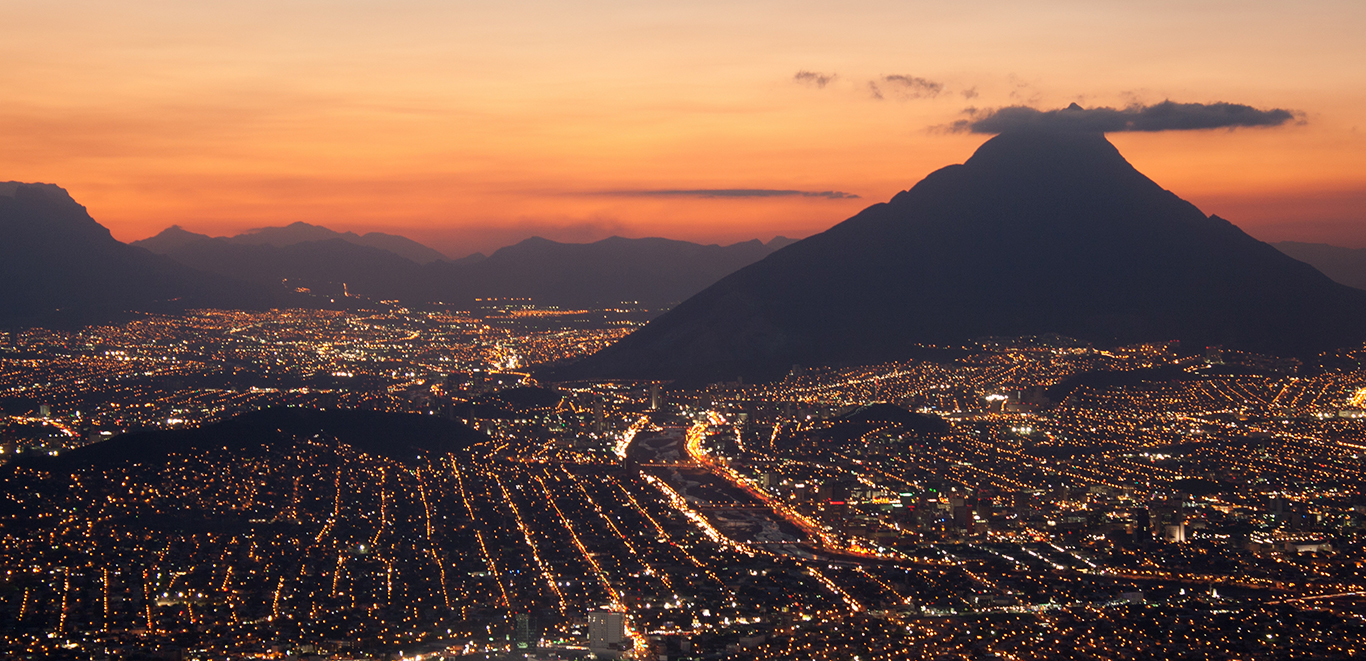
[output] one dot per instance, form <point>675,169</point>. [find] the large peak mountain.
<point>1038,232</point>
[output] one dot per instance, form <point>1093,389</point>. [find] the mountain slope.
<point>1037,232</point>
<point>57,265</point>
<point>1344,265</point>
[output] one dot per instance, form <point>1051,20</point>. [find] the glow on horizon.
<point>472,125</point>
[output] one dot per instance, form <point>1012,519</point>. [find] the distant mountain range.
<point>1038,232</point>
<point>58,266</point>
<point>654,272</point>
<point>1345,265</point>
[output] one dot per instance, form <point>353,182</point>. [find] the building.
<point>607,633</point>
<point>524,634</point>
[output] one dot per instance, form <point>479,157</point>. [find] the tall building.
<point>1143,526</point>
<point>654,396</point>
<point>524,632</point>
<point>607,633</point>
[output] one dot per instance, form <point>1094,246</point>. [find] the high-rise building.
<point>607,633</point>
<point>1143,526</point>
<point>524,632</point>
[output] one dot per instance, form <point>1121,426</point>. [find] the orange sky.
<point>469,125</point>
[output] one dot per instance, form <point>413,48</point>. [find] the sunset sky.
<point>470,125</point>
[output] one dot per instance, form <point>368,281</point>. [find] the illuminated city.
<point>422,330</point>
<point>1018,498</point>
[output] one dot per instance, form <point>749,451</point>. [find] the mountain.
<point>171,239</point>
<point>1345,265</point>
<point>176,238</point>
<point>322,266</point>
<point>654,272</point>
<point>300,232</point>
<point>1038,232</point>
<point>59,266</point>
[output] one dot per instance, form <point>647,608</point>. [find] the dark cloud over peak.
<point>814,78</point>
<point>730,192</point>
<point>1165,116</point>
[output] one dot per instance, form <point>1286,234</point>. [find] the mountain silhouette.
<point>651,271</point>
<point>171,239</point>
<point>300,232</point>
<point>1344,265</point>
<point>1037,232</point>
<point>60,267</point>
<point>175,238</point>
<point>330,267</point>
<point>654,272</point>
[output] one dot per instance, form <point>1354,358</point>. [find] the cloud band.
<point>1165,116</point>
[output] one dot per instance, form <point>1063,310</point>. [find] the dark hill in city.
<point>399,436</point>
<point>1345,265</point>
<point>530,397</point>
<point>1038,232</point>
<point>893,416</point>
<point>59,266</point>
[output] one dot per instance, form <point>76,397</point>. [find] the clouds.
<point>814,78</point>
<point>910,87</point>
<point>1165,116</point>
<point>896,86</point>
<point>730,193</point>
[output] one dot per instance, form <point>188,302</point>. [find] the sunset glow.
<point>472,125</point>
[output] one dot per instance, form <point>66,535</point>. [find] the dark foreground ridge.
<point>59,266</point>
<point>1038,232</point>
<point>398,436</point>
